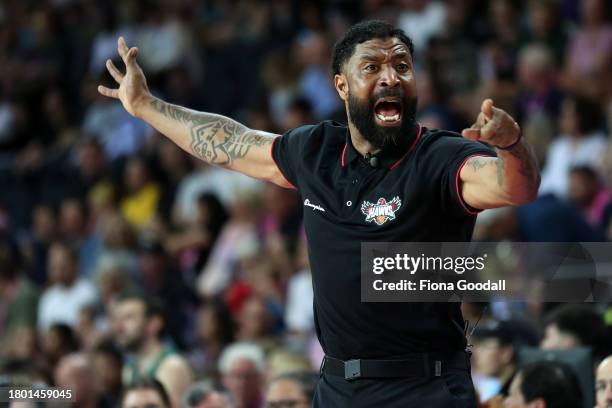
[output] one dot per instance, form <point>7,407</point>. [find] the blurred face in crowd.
<point>555,339</point>
<point>603,384</point>
<point>516,399</point>
<point>62,267</point>
<point>75,373</point>
<point>568,118</point>
<point>243,381</point>
<point>378,87</point>
<point>254,320</point>
<point>135,174</point>
<point>108,373</point>
<point>582,189</point>
<point>491,357</point>
<point>130,324</point>
<point>143,398</point>
<point>284,394</point>
<point>91,159</point>
<point>72,218</point>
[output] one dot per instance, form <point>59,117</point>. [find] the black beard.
<point>361,113</point>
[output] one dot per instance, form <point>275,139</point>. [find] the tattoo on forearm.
<point>214,138</point>
<point>528,167</point>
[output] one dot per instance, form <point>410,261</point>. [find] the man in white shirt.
<point>63,300</point>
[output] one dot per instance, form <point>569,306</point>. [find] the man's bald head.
<point>603,383</point>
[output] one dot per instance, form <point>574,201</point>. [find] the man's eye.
<point>370,67</point>
<point>402,67</point>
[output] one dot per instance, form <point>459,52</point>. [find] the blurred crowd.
<point>129,267</point>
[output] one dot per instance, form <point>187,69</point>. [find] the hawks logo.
<point>382,211</point>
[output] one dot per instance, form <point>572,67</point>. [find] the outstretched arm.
<point>511,178</point>
<point>213,138</point>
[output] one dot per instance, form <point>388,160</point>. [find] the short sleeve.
<point>468,150</point>
<point>445,156</point>
<point>287,153</point>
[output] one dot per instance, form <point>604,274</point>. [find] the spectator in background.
<point>282,361</point>
<point>589,54</point>
<point>421,20</point>
<point>18,299</point>
<point>603,383</point>
<point>36,246</point>
<point>539,94</point>
<point>547,385</point>
<point>299,113</point>
<point>581,143</point>
<point>107,363</point>
<point>242,367</point>
<point>545,27</point>
<point>312,52</point>
<point>215,329</point>
<point>204,394</point>
<point>588,194</point>
<point>146,392</point>
<point>496,346</point>
<point>75,372</point>
<point>574,325</point>
<point>56,342</point>
<point>62,301</point>
<point>141,200</point>
<point>139,325</point>
<point>294,390</point>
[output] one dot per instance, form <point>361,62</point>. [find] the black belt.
<point>417,365</point>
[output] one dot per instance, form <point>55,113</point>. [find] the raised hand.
<point>493,126</point>
<point>133,91</point>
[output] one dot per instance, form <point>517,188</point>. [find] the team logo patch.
<point>382,211</point>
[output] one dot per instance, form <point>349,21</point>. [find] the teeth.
<point>388,118</point>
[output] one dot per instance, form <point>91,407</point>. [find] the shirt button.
<point>355,181</point>
<point>349,203</point>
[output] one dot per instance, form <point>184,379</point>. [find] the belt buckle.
<point>352,369</point>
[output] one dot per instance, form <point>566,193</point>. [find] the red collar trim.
<point>416,139</point>
<point>343,152</point>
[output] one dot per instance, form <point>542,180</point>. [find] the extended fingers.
<point>111,93</point>
<point>115,73</point>
<point>122,49</point>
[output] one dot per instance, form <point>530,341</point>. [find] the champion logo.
<point>307,203</point>
<point>382,211</point>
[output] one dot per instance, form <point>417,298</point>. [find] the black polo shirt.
<point>413,195</point>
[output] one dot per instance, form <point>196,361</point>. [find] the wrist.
<point>140,105</point>
<point>513,144</point>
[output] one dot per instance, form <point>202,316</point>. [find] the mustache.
<point>389,92</point>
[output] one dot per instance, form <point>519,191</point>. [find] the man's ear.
<point>341,86</point>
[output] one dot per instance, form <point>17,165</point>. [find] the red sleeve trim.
<point>276,164</point>
<point>459,196</point>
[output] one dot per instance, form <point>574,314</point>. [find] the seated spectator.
<point>107,365</point>
<point>204,394</point>
<point>294,390</point>
<point>242,367</point>
<point>76,373</point>
<point>67,294</point>
<point>283,361</point>
<point>603,383</point>
<point>574,325</point>
<point>56,342</point>
<point>496,350</point>
<point>588,194</point>
<point>146,393</point>
<point>581,143</point>
<point>545,385</point>
<point>139,327</point>
<point>140,203</point>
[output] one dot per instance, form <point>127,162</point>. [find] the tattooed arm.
<point>511,178</point>
<point>213,138</point>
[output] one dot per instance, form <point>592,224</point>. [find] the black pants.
<point>454,389</point>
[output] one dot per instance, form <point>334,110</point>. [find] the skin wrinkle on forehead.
<point>368,51</point>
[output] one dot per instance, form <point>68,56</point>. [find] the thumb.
<point>487,108</point>
<point>471,133</point>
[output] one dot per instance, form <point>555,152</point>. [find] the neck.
<point>364,147</point>
<point>360,143</point>
<point>150,349</point>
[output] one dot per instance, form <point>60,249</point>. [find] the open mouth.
<point>388,111</point>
